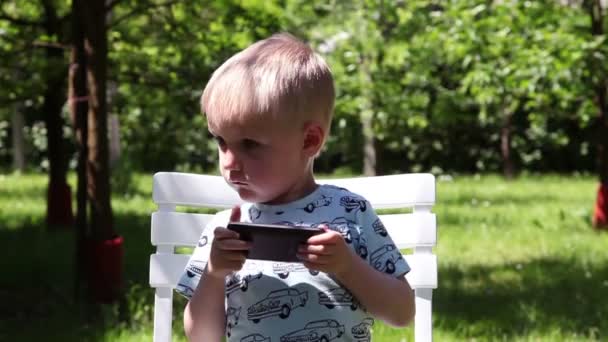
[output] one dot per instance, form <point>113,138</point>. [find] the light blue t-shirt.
<point>286,302</point>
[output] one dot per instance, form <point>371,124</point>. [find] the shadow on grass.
<point>37,284</point>
<point>508,300</point>
<point>511,300</point>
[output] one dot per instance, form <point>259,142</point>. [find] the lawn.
<point>518,261</point>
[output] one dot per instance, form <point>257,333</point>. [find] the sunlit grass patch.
<point>518,261</point>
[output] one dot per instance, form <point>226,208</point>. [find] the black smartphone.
<point>273,242</point>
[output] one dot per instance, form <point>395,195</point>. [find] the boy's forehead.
<point>222,122</point>
<point>245,122</point>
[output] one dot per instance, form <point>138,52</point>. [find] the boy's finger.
<point>234,245</point>
<point>236,257</point>
<point>328,237</point>
<point>235,214</point>
<point>315,249</point>
<point>313,259</point>
<point>221,233</point>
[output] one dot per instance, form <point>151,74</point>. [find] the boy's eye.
<point>249,144</point>
<point>220,142</point>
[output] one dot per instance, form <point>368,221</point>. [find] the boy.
<point>269,108</point>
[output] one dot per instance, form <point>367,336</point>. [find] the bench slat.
<point>166,269</point>
<point>411,230</point>
<point>177,229</point>
<point>395,191</point>
<point>184,229</point>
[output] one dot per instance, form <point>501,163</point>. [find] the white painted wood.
<point>411,230</point>
<point>184,229</point>
<point>165,270</point>
<point>416,231</point>
<point>179,229</point>
<point>423,322</point>
<point>163,314</point>
<point>193,190</point>
<point>395,191</point>
<point>384,192</point>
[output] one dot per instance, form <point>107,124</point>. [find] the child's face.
<point>264,163</point>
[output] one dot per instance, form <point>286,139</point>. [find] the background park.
<point>506,102</point>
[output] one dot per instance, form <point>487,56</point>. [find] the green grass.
<point>518,261</point>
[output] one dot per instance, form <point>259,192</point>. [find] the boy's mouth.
<point>237,183</point>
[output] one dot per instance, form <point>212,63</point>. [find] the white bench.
<point>416,231</point>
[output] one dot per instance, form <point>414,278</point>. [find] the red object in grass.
<point>104,269</point>
<point>600,215</point>
<point>59,206</point>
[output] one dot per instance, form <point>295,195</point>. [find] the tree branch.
<point>112,4</point>
<point>138,10</point>
<point>19,21</point>
<point>58,46</point>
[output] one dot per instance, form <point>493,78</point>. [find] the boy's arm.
<point>384,296</point>
<point>387,297</point>
<point>204,318</point>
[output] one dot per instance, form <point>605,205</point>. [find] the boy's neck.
<point>299,190</point>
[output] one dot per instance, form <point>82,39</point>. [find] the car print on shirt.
<point>324,201</point>
<point>232,319</point>
<point>184,290</point>
<point>362,247</point>
<point>254,213</point>
<point>282,269</point>
<point>255,338</point>
<point>361,332</point>
<point>379,228</point>
<point>277,303</point>
<point>341,225</point>
<point>316,331</point>
<point>202,242</point>
<point>237,282</point>
<point>194,269</point>
<point>384,258</point>
<point>353,203</point>
<point>338,296</point>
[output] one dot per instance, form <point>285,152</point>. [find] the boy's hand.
<point>227,251</point>
<point>327,252</point>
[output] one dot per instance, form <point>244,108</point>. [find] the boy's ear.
<point>314,136</point>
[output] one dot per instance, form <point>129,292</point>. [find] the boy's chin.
<point>249,196</point>
<point>253,197</point>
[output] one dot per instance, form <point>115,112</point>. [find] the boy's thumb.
<point>235,215</point>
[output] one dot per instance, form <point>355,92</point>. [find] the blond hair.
<point>280,77</point>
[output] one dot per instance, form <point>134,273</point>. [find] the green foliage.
<point>439,78</point>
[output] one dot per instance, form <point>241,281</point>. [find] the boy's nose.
<point>229,160</point>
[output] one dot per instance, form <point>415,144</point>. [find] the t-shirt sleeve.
<point>382,253</point>
<point>193,272</point>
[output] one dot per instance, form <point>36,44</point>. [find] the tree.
<point>48,34</point>
<point>59,200</point>
<point>599,81</point>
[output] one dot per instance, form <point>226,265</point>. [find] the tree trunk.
<point>104,247</point>
<point>508,168</point>
<point>369,146</point>
<point>367,120</point>
<point>78,103</point>
<point>96,51</point>
<point>367,95</point>
<point>59,200</point>
<point>17,124</point>
<point>600,215</point>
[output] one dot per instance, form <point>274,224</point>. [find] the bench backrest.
<point>415,231</point>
